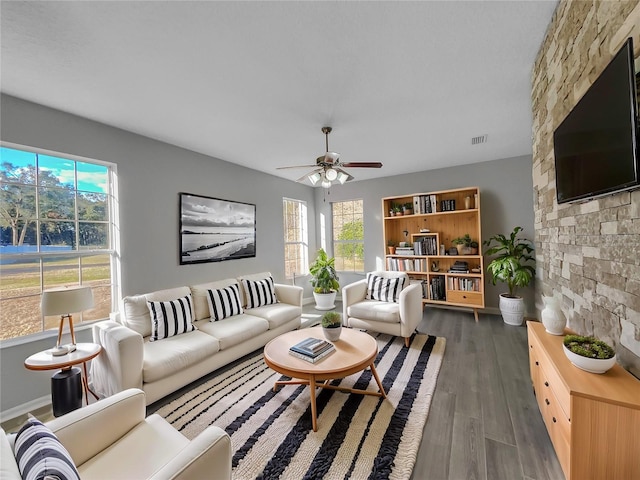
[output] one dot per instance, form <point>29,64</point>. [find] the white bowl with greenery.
<point>589,353</point>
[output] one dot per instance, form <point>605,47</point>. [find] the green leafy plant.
<point>331,320</point>
<point>589,347</point>
<point>323,272</point>
<point>464,240</point>
<point>514,264</point>
<point>391,243</point>
<point>407,206</point>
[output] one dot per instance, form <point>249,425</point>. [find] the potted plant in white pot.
<point>514,265</point>
<point>332,326</point>
<point>324,281</point>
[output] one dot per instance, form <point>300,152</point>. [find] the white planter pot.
<point>332,334</point>
<point>593,365</point>
<point>512,309</point>
<point>325,301</point>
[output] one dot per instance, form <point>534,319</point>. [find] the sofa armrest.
<point>410,308</point>
<point>291,294</point>
<point>119,365</point>
<point>352,293</point>
<point>207,456</point>
<point>88,431</point>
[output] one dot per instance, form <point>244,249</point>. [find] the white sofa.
<point>399,318</point>
<point>130,360</point>
<point>112,439</point>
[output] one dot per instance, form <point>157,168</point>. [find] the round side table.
<point>67,384</point>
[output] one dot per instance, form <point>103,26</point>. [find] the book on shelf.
<point>311,349</point>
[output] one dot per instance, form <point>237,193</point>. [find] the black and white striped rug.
<point>359,436</point>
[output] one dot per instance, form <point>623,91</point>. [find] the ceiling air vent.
<point>478,140</point>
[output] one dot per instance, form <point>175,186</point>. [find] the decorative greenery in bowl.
<point>589,347</point>
<point>589,353</point>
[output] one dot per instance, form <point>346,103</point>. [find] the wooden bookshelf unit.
<point>445,215</point>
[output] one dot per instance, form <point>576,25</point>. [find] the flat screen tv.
<point>595,146</point>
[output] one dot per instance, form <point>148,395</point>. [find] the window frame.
<point>112,250</point>
<point>301,243</point>
<point>335,242</point>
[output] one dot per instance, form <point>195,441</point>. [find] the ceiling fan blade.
<point>361,165</point>
<point>306,175</point>
<point>296,166</point>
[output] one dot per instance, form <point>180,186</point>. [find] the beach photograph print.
<point>213,230</point>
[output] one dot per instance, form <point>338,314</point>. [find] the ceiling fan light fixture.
<point>331,157</point>
<point>326,183</point>
<point>330,174</point>
<point>342,177</point>
<point>314,178</point>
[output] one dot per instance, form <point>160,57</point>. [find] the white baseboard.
<point>25,408</point>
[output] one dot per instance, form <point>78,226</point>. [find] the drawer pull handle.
<point>554,419</point>
<point>537,363</point>
<point>546,384</point>
<point>546,400</point>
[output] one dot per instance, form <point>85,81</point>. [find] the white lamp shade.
<point>61,301</point>
<point>314,178</point>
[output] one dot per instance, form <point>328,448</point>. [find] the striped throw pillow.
<point>259,292</point>
<point>384,289</point>
<point>171,318</point>
<point>224,302</point>
<point>39,454</point>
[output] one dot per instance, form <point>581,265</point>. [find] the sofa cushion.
<point>387,312</point>
<point>199,293</point>
<point>39,453</point>
<point>173,354</point>
<point>259,292</point>
<point>253,277</point>
<point>277,314</point>
<point>384,289</point>
<point>234,330</point>
<point>136,313</point>
<point>171,318</point>
<point>141,453</point>
<point>224,302</point>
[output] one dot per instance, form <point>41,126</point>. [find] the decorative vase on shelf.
<point>553,319</point>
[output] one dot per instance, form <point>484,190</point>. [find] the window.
<point>56,229</point>
<point>296,241</point>
<point>348,235</point>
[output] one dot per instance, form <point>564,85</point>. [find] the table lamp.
<point>61,301</point>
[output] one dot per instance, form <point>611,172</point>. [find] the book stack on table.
<point>312,349</point>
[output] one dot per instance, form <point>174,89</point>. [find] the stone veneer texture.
<point>587,253</point>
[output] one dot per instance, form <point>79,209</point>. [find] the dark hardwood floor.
<point>483,422</point>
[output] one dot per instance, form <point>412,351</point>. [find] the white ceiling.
<point>405,83</point>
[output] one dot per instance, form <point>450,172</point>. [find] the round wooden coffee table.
<point>355,351</point>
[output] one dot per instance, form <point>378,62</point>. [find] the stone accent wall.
<point>588,254</point>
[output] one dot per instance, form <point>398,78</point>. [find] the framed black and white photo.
<point>213,230</point>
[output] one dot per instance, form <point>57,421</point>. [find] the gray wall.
<point>151,174</point>
<point>506,198</point>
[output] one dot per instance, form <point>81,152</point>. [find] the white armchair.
<point>112,439</point>
<point>399,319</point>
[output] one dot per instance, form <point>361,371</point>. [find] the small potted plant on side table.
<point>391,246</point>
<point>332,326</point>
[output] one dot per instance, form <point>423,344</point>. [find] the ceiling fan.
<point>328,167</point>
